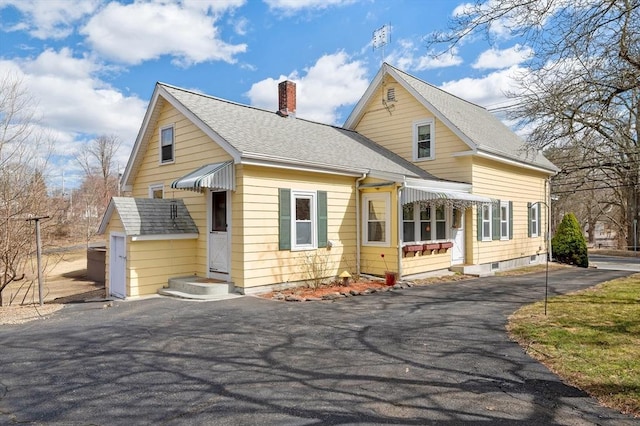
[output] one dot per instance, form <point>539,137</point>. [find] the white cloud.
<point>407,56</point>
<point>332,82</point>
<point>498,59</point>
<point>240,25</point>
<point>138,32</point>
<point>75,105</point>
<point>488,91</point>
<point>216,6</point>
<point>297,5</point>
<point>50,19</point>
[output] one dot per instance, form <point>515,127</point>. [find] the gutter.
<point>358,242</point>
<point>400,230</point>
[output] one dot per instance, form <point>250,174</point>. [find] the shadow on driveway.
<point>424,355</point>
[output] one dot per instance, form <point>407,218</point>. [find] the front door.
<point>218,234</point>
<point>457,235</point>
<point>117,267</point>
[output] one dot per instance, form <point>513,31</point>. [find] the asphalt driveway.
<point>425,355</point>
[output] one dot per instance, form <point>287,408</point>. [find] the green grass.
<point>591,339</point>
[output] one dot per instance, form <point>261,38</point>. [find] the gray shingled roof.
<point>256,132</point>
<point>482,128</point>
<point>150,216</point>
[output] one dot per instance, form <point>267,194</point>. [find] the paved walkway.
<point>615,263</point>
<point>426,355</point>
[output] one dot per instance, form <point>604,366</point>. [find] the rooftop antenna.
<point>381,37</point>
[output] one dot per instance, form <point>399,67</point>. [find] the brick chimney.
<point>287,98</point>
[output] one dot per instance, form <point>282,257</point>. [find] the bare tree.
<point>100,182</point>
<point>97,161</point>
<point>23,158</point>
<point>583,84</point>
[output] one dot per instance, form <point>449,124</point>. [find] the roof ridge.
<point>227,101</point>
<point>436,87</point>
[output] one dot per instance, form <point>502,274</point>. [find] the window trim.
<point>505,222</point>
<point>417,221</point>
<point>173,144</point>
<point>386,197</point>
<point>432,131</point>
<point>313,196</point>
<point>488,219</point>
<point>534,217</point>
<point>154,187</point>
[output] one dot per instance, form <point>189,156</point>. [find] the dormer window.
<point>424,140</point>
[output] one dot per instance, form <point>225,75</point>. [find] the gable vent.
<point>391,94</point>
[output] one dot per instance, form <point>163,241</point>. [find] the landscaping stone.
<point>294,298</point>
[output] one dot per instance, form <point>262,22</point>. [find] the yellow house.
<point>254,199</point>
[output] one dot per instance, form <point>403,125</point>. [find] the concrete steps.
<point>474,270</point>
<point>198,288</point>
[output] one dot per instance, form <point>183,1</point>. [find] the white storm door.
<point>457,235</point>
<point>218,233</point>
<point>117,268</point>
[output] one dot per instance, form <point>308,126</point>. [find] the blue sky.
<point>91,65</point>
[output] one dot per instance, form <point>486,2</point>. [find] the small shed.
<point>150,241</point>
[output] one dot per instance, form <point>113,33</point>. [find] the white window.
<point>486,222</point>
<point>424,223</point>
<point>534,220</point>
<point>504,220</point>
<point>156,190</point>
<point>376,210</point>
<point>424,140</point>
<point>166,145</point>
<point>303,224</point>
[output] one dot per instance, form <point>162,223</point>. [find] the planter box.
<point>431,247</point>
<point>446,245</point>
<point>414,248</point>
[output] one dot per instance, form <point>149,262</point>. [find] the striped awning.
<point>218,176</point>
<point>412,195</point>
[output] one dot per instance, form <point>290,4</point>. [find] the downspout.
<point>358,242</point>
<point>400,231</point>
<point>548,195</point>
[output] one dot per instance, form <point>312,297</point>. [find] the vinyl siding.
<point>418,263</point>
<point>256,258</point>
<point>192,149</point>
<point>150,264</point>
<point>372,261</point>
<point>508,183</point>
<point>393,129</point>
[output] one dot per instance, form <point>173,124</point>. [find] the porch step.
<point>198,288</point>
<point>475,270</point>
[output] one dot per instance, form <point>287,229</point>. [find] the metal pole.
<point>39,256</point>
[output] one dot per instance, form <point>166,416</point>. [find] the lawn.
<point>591,339</point>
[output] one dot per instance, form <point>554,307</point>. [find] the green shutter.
<point>495,219</point>
<point>322,219</point>
<point>529,219</point>
<point>284,216</point>
<point>511,220</point>
<point>479,210</point>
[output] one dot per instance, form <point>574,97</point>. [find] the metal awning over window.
<point>220,176</point>
<point>412,195</point>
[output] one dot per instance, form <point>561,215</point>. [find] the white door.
<point>117,267</point>
<point>457,235</point>
<point>218,233</point>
